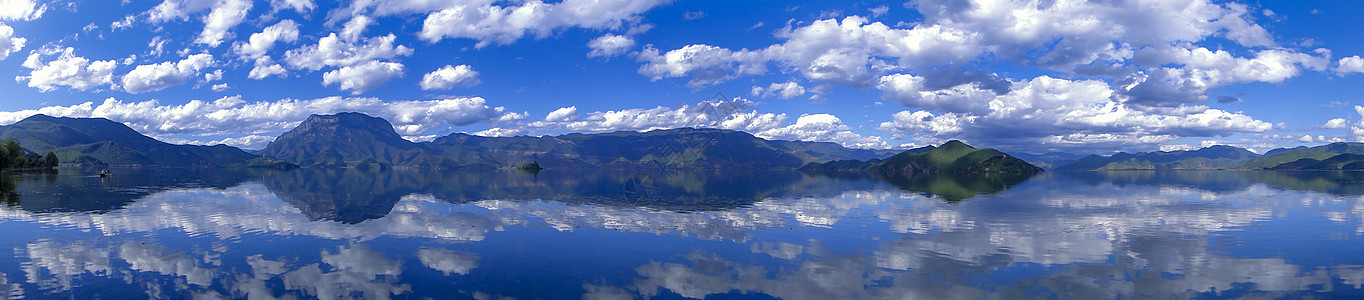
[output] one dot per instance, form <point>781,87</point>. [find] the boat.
<point>105,174</point>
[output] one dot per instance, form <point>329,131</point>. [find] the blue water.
<point>169,233</point>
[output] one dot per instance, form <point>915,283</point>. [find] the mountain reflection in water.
<point>607,235</point>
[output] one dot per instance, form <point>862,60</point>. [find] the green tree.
<point>50,161</point>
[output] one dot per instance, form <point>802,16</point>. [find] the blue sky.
<point>1032,76</point>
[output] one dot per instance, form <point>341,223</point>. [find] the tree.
<point>50,161</point>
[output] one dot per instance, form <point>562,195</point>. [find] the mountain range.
<point>1334,156</point>
<point>97,141</point>
<point>358,140</point>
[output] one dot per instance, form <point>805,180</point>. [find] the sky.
<point>1028,76</point>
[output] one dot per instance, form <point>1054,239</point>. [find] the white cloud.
<point>260,43</point>
<point>491,23</point>
<point>448,77</point>
<point>822,128</point>
<point>8,42</point>
<point>1350,65</point>
<point>786,90</point>
<point>236,117</point>
<point>499,132</point>
<point>225,15</point>
<point>213,76</point>
<point>220,87</point>
<point>155,77</point>
<point>301,6</point>
<point>265,67</point>
<point>67,70</point>
<point>247,142</point>
<point>21,10</point>
<point>1085,38</point>
<point>723,114</point>
<point>1337,123</point>
<point>610,45</point>
<point>363,77</point>
<point>331,50</point>
<point>222,16</point>
<point>911,91</point>
<point>705,63</point>
<point>1046,114</point>
<point>125,23</point>
<point>562,114</point>
<point>354,28</point>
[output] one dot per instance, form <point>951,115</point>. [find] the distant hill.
<point>1277,157</point>
<point>953,157</point>
<point>1048,161</point>
<point>352,139</point>
<point>98,141</point>
<point>1349,162</point>
<point>1210,158</point>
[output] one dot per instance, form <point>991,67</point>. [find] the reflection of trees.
<point>76,190</point>
<point>8,192</point>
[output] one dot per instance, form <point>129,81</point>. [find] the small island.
<point>953,157</point>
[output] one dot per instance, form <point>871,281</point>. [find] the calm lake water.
<point>620,235</point>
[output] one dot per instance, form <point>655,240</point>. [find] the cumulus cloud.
<point>1349,65</point>
<point>222,16</point>
<point>225,15</point>
<point>492,22</point>
<point>448,77</point>
<point>610,45</point>
<point>786,90</point>
<point>155,77</point>
<point>332,50</point>
<point>265,67</point>
<point>1144,47</point>
<point>260,43</point>
<point>233,120</point>
<point>364,77</point>
<point>1048,114</point>
<point>301,6</point>
<point>823,128</point>
<point>67,70</point>
<point>21,10</point>
<point>706,64</point>
<point>724,114</point>
<point>499,132</point>
<point>562,114</point>
<point>8,42</point>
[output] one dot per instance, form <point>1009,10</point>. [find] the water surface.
<point>334,233</point>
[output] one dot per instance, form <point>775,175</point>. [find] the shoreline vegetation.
<point>14,158</point>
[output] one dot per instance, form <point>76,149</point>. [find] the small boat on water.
<point>105,174</point>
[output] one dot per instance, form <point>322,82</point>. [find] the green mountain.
<point>1349,162</point>
<point>98,141</point>
<point>1277,157</point>
<point>953,157</point>
<point>1210,158</point>
<point>353,139</point>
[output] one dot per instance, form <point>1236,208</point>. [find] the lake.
<point>323,233</point>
